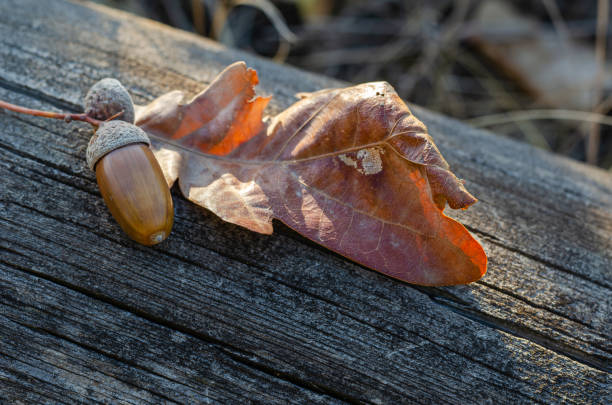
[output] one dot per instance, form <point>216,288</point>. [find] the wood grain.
<point>219,314</point>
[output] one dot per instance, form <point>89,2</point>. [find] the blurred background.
<point>534,70</point>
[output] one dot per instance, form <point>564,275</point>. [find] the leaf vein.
<point>365,213</point>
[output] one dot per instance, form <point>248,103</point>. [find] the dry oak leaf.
<point>351,169</point>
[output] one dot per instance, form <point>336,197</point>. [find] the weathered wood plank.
<point>537,328</point>
<point>452,142</point>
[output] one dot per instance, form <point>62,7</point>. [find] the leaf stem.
<point>49,114</point>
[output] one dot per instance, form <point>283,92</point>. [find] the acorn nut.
<point>131,181</point>
<point>107,98</point>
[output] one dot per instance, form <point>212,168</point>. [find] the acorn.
<point>131,181</point>
<point>108,97</point>
<point>129,176</point>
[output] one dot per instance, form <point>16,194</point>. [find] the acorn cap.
<point>107,98</point>
<point>112,135</point>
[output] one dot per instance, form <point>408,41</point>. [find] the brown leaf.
<point>351,169</point>
<point>217,120</point>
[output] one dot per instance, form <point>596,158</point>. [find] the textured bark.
<point>220,314</point>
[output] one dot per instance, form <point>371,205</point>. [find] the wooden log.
<point>219,314</point>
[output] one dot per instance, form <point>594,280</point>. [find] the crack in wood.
<point>601,364</point>
<point>493,239</point>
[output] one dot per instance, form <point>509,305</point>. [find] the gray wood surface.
<point>217,314</point>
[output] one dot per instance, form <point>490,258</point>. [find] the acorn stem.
<point>49,114</point>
